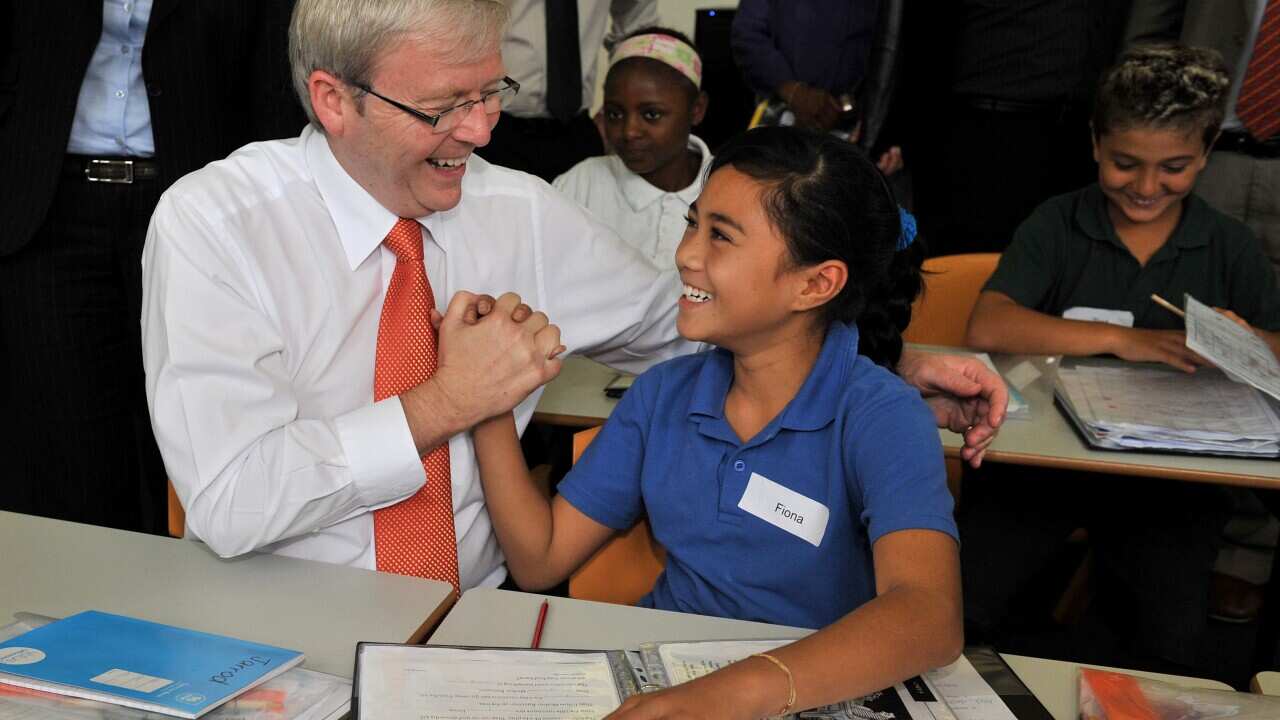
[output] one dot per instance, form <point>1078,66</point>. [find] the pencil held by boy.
<point>790,475</point>
<point>1079,275</point>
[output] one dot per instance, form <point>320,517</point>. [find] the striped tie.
<point>1258,106</point>
<point>416,535</point>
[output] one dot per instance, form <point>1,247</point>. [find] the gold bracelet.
<point>791,683</point>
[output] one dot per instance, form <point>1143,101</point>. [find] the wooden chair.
<point>941,313</point>
<point>177,516</point>
<point>951,286</point>
<point>626,567</point>
<point>940,316</point>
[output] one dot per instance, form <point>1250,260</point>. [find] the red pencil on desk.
<point>537,628</point>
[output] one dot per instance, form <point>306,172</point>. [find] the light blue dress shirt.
<point>112,114</point>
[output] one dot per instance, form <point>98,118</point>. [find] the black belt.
<point>1238,141</point>
<point>115,170</point>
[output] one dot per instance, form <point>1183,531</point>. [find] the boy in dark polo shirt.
<point>1077,280</point>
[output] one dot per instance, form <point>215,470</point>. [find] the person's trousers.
<point>74,430</point>
<point>1153,542</point>
<point>1248,189</point>
<point>985,170</point>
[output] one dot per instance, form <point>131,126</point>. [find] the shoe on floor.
<point>1233,600</point>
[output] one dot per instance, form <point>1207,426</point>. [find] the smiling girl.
<point>790,475</point>
<point>652,100</point>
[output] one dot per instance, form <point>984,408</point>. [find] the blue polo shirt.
<point>855,439</point>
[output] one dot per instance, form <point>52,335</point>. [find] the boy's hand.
<point>1236,319</point>
<point>1166,346</point>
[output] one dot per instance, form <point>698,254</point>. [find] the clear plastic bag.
<point>1116,696</point>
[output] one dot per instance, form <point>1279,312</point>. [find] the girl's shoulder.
<point>876,396</point>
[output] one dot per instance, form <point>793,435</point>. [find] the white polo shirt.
<point>650,219</point>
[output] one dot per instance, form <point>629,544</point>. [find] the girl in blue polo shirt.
<point>790,475</point>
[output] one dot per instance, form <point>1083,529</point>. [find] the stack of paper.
<point>1242,355</point>
<point>1124,406</point>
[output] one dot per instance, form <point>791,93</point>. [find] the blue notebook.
<point>140,664</point>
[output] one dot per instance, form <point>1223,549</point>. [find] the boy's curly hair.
<point>1164,86</point>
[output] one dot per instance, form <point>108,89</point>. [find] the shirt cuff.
<point>381,457</point>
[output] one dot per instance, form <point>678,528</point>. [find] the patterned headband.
<point>665,49</point>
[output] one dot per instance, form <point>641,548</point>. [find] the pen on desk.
<point>537,628</point>
<point>1168,306</point>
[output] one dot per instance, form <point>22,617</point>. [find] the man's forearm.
<point>435,414</point>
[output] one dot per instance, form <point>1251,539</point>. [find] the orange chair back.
<point>951,287</point>
<point>626,567</point>
<point>177,516</point>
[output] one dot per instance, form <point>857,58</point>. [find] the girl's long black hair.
<point>830,202</point>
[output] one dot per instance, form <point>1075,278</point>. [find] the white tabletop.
<point>56,568</point>
<point>1047,439</point>
<point>576,398</point>
<point>500,618</point>
<point>1266,683</point>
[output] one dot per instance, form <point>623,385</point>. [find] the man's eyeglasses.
<point>448,119</point>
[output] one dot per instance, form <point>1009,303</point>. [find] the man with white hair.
<point>299,396</point>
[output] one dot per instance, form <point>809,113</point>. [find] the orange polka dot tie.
<point>415,536</point>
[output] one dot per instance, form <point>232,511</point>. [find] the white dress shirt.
<point>263,281</point>
<point>524,49</point>
<point>650,219</point>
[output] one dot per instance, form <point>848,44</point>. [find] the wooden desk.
<point>56,568</point>
<point>501,618</point>
<point>576,397</point>
<point>1266,683</point>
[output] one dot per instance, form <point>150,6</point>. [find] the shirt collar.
<point>640,194</point>
<point>362,222</point>
<point>1094,219</point>
<point>813,407</point>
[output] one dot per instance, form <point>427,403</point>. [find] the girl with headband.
<point>652,100</point>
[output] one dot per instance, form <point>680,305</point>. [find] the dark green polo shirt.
<point>1067,254</point>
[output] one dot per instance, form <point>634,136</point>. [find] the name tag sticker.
<point>785,508</point>
<point>1123,318</point>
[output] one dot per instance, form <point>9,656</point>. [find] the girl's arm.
<point>544,539</point>
<point>1000,324</point>
<point>914,624</point>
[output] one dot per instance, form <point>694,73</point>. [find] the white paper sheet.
<point>451,684</point>
<point>967,694</point>
<point>1240,353</point>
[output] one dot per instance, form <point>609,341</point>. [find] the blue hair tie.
<point>908,234</point>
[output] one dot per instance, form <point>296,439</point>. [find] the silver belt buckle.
<point>110,171</point>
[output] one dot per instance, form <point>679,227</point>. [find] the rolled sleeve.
<point>902,484</point>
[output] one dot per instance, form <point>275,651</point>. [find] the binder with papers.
<point>1124,406</point>
<point>1230,409</point>
<point>445,682</point>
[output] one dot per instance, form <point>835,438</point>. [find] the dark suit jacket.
<point>1218,24</point>
<point>217,78</point>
